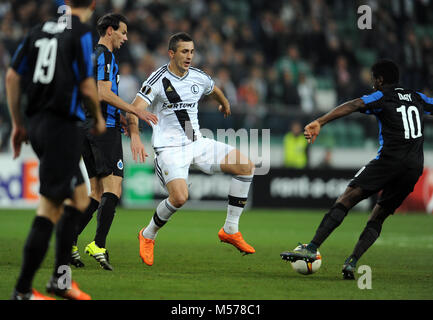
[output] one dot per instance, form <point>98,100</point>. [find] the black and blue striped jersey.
<point>106,69</point>
<point>400,114</point>
<point>53,59</point>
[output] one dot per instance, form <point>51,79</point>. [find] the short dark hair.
<point>388,70</point>
<point>80,3</point>
<point>110,20</point>
<point>176,38</point>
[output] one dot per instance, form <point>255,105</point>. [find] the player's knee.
<point>82,204</point>
<point>178,199</point>
<point>246,169</point>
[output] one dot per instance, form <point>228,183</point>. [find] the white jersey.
<point>174,100</point>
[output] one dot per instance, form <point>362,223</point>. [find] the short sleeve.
<point>84,62</point>
<point>209,84</point>
<point>372,103</point>
<point>149,90</point>
<point>428,103</point>
<point>20,59</point>
<point>104,65</point>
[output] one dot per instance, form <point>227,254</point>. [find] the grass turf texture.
<point>191,262</point>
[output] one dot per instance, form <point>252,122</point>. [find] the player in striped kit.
<point>172,93</point>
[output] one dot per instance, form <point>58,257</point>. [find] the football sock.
<point>65,233</point>
<point>330,221</point>
<point>238,193</point>
<point>367,238</point>
<point>311,247</point>
<point>34,252</point>
<point>105,217</point>
<point>162,214</point>
<point>85,217</point>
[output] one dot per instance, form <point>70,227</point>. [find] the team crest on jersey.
<point>194,89</point>
<point>169,89</point>
<point>120,164</point>
<point>146,90</point>
<point>107,68</point>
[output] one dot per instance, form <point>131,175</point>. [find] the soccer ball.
<point>304,267</point>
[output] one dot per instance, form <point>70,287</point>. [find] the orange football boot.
<point>236,240</point>
<point>36,295</point>
<point>74,293</point>
<point>146,248</point>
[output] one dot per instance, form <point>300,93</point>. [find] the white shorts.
<point>204,154</point>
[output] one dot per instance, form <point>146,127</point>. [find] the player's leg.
<point>108,155</point>
<point>368,236</point>
<point>89,148</point>
<point>112,186</point>
<point>178,195</point>
<point>242,170</point>
<point>85,218</point>
<point>36,246</point>
<point>65,234</point>
<point>391,198</point>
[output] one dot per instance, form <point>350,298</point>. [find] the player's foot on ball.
<point>146,248</point>
<point>32,295</point>
<point>76,258</point>
<point>300,253</point>
<point>349,268</point>
<point>73,293</point>
<point>100,255</point>
<point>236,240</point>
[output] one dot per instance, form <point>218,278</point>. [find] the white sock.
<point>163,213</point>
<point>238,193</point>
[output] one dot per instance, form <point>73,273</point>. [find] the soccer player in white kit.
<point>172,93</point>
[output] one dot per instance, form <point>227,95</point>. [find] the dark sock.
<point>312,247</point>
<point>367,238</point>
<point>106,212</point>
<point>85,217</point>
<point>34,252</point>
<point>330,221</point>
<point>65,233</point>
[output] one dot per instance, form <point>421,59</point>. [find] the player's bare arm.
<point>138,150</point>
<point>311,130</point>
<point>91,101</point>
<point>105,94</point>
<point>13,94</point>
<point>219,96</point>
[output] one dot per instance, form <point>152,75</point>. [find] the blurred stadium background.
<point>279,62</point>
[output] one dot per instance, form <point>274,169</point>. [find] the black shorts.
<point>57,142</point>
<point>103,155</point>
<point>394,179</point>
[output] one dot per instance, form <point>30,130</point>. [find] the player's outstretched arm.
<point>13,96</point>
<point>312,130</point>
<point>105,94</point>
<point>91,102</point>
<point>219,96</point>
<point>138,150</point>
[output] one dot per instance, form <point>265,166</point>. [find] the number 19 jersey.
<point>400,114</point>
<point>174,100</point>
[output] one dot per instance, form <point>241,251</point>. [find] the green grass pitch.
<point>191,262</point>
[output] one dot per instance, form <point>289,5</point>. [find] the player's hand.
<point>225,109</point>
<point>18,136</point>
<point>99,126</point>
<point>147,116</point>
<point>139,153</point>
<point>124,125</point>
<point>311,131</point>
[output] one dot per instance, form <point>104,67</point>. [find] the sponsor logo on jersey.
<point>179,105</point>
<point>107,68</point>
